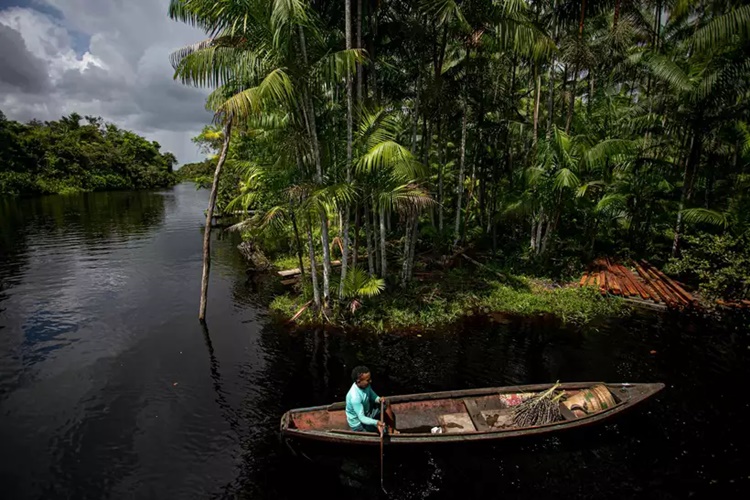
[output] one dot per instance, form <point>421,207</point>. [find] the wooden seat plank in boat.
<point>456,423</point>
<point>477,419</point>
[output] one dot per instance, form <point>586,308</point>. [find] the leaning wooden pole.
<point>209,216</point>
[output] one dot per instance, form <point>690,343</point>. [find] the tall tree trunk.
<point>349,125</point>
<point>583,17</point>
<point>414,238</point>
<point>318,177</point>
<point>426,145</point>
<point>551,99</point>
<point>345,251</point>
<point>575,74</point>
<point>359,46</point>
<point>537,100</point>
<point>441,152</point>
<point>493,191</point>
<point>482,195</point>
<point>326,258</point>
<point>376,240</point>
<point>407,247</point>
<point>687,189</point>
<point>297,240</point>
<point>373,39</point>
<point>563,93</point>
<point>313,264</point>
<point>410,244</point>
<point>539,228</point>
<point>470,196</point>
<point>460,183</point>
<point>528,101</point>
<point>572,104</point>
<point>617,14</point>
<point>209,215</point>
<point>415,121</point>
<point>551,225</point>
<point>657,27</point>
<point>537,225</point>
<point>383,256</point>
<point>355,246</point>
<point>369,240</point>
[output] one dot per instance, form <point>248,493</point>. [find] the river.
<point>111,388</point>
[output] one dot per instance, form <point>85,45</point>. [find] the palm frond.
<point>583,190</point>
<point>718,32</point>
<point>705,216</point>
<point>522,207</point>
<point>217,16</point>
<point>445,12</point>
<point>391,156</point>
<point>511,7</point>
<point>612,204</point>
<point>408,198</point>
<point>566,178</point>
<point>744,131</point>
<point>359,284</point>
<point>287,12</point>
<point>668,71</point>
<point>217,65</point>
<point>335,195</point>
<point>276,89</point>
<point>533,175</point>
<point>524,38</point>
<point>192,13</point>
<point>183,52</point>
<point>375,127</point>
<point>609,150</point>
<point>336,66</point>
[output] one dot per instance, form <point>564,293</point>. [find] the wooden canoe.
<point>468,415</point>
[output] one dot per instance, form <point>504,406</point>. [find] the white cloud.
<point>123,75</point>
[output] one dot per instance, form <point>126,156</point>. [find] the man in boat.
<point>363,405</point>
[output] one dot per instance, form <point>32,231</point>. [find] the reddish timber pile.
<point>647,283</point>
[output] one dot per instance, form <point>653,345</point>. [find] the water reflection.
<point>668,449</point>
<point>110,387</point>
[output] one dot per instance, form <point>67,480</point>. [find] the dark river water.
<point>110,388</point>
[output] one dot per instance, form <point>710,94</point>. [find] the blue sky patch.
<point>80,41</point>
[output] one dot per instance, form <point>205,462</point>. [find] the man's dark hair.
<point>358,372</point>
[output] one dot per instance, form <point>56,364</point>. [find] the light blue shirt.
<point>360,406</point>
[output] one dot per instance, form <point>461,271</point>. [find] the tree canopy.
<point>78,154</point>
<point>546,132</point>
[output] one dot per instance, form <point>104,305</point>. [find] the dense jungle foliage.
<point>538,133</point>
<point>75,154</point>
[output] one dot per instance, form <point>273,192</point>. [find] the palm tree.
<point>251,55</point>
<point>390,174</point>
<point>704,89</point>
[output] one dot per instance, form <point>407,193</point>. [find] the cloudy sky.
<point>108,58</point>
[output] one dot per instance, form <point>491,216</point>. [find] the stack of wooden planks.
<point>646,284</point>
<point>291,276</point>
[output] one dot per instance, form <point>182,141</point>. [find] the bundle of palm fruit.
<point>539,410</point>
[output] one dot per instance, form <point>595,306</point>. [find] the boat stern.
<point>284,422</point>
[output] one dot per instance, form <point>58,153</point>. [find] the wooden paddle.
<point>382,433</point>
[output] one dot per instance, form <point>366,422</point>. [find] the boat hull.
<point>469,412</point>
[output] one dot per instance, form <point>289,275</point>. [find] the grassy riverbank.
<point>444,297</point>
